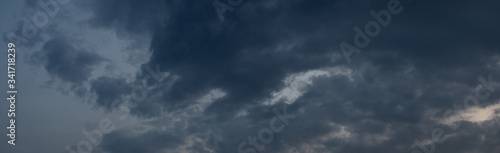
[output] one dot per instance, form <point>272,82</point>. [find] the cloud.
<point>150,141</point>
<point>267,53</point>
<point>110,91</point>
<point>64,61</point>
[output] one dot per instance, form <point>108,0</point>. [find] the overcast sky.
<point>201,76</point>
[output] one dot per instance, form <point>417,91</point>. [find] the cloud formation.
<point>392,93</point>
<point>61,59</point>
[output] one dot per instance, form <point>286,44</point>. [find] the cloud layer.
<point>226,77</point>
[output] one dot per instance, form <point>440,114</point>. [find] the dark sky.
<point>172,76</point>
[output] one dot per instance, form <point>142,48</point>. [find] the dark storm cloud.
<point>64,61</point>
<point>239,55</point>
<point>109,91</point>
<point>428,58</point>
<point>128,17</point>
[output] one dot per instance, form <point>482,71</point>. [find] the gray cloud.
<point>109,91</point>
<point>67,63</point>
<point>423,63</point>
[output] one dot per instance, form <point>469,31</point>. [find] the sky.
<point>261,76</point>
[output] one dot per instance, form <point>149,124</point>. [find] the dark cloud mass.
<point>395,91</point>
<point>62,60</point>
<point>109,91</point>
